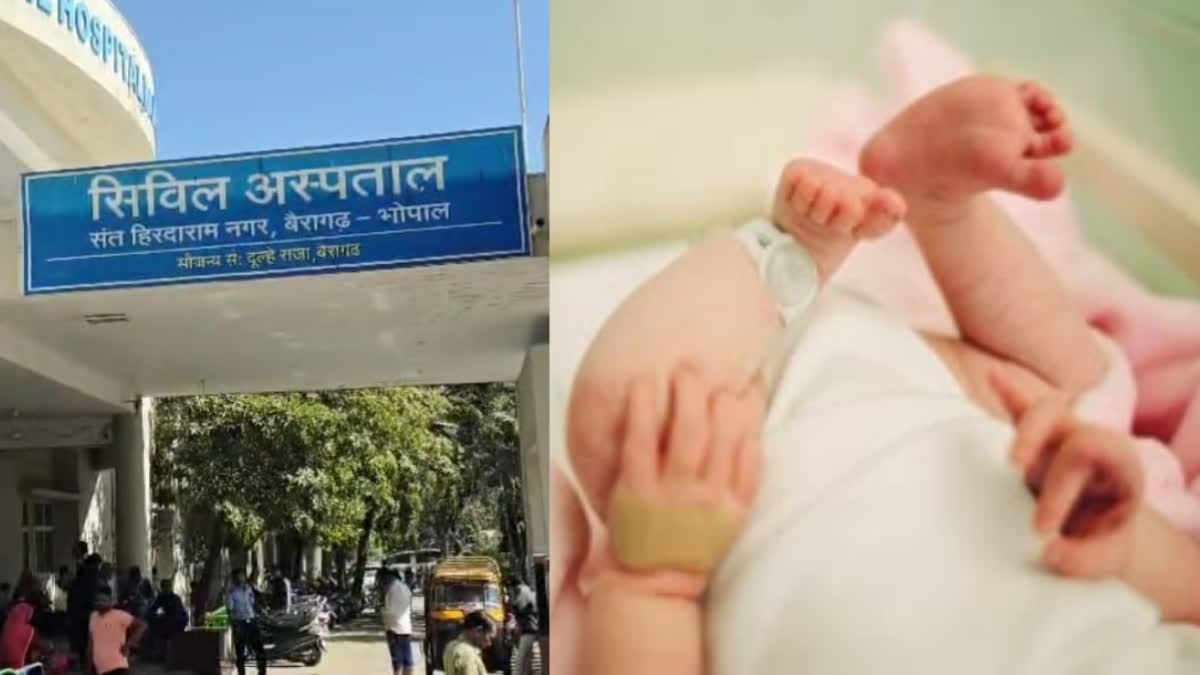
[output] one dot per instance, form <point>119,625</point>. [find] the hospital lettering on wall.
<point>77,18</point>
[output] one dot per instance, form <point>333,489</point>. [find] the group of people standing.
<point>88,617</point>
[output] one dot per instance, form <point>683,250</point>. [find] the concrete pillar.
<point>132,440</point>
<point>539,201</point>
<point>167,554</point>
<point>533,422</point>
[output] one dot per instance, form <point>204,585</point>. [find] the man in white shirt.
<point>397,621</point>
<point>523,605</point>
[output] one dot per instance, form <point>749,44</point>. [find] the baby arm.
<point>1089,486</point>
<point>1165,567</point>
<point>685,483</point>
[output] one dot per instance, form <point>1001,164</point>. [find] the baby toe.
<point>847,214</point>
<point>823,204</point>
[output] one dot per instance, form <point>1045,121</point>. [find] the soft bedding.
<point>906,542</point>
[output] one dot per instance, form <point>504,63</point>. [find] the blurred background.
<point>674,115</point>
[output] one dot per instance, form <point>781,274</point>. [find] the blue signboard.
<point>418,201</point>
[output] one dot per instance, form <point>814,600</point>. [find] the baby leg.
<point>710,309</point>
<point>943,153</point>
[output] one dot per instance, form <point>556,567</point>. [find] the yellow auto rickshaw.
<point>455,588</point>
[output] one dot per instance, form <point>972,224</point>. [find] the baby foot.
<point>828,210</point>
<point>975,134</point>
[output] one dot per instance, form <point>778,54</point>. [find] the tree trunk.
<point>256,563</point>
<point>515,536</point>
<point>364,545</point>
<point>204,587</point>
<point>297,558</point>
<point>341,566</point>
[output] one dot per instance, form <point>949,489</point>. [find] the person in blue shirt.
<point>240,602</point>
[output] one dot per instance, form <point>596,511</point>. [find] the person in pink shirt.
<point>20,642</point>
<point>114,633</point>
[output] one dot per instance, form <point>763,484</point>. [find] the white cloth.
<point>892,535</point>
<point>397,609</point>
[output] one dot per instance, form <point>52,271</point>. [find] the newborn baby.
<point>688,435</point>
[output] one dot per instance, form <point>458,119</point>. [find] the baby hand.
<point>1087,480</point>
<point>685,483</point>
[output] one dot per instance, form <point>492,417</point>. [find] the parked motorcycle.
<point>296,636</point>
<point>346,606</point>
<point>327,616</point>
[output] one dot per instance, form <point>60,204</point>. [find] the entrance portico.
<point>442,325</point>
<point>78,371</point>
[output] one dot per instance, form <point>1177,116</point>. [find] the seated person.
<point>28,586</point>
<point>688,436</point>
<point>22,644</point>
<point>167,617</point>
<point>57,588</point>
<point>135,595</point>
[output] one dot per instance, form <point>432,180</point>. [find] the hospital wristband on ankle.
<point>791,277</point>
<point>787,269</point>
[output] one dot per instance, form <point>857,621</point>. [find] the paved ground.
<point>352,649</point>
<point>357,648</point>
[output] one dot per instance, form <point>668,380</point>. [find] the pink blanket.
<point>1159,336</point>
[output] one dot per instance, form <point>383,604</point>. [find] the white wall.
<point>18,468</point>
<point>22,469</point>
<point>10,522</point>
<point>533,412</point>
<point>65,43</point>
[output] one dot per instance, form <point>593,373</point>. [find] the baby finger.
<point>1064,485</point>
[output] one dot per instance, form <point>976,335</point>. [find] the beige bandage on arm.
<point>647,536</point>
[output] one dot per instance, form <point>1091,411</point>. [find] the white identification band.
<point>786,268</point>
<point>793,281</point>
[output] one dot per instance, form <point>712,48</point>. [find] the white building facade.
<point>78,371</point>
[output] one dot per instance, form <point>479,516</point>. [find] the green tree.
<point>485,495</point>
<point>242,463</point>
<point>352,471</point>
<point>387,444</point>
